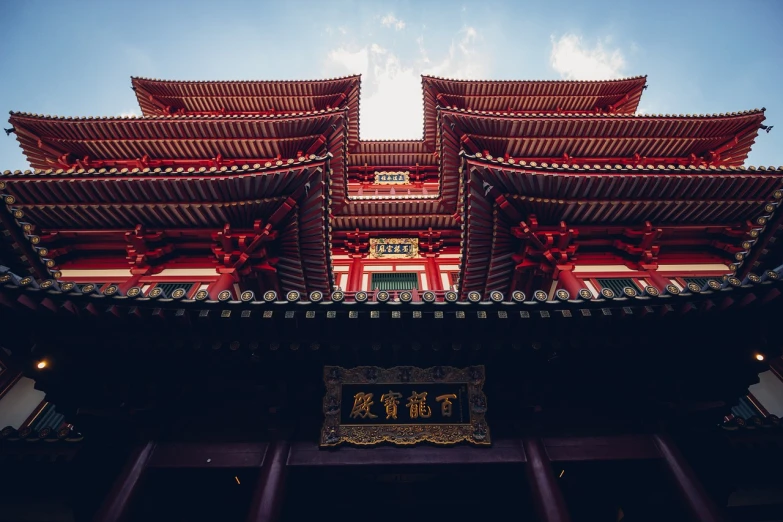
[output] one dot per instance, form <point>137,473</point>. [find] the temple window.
<point>618,284</point>
<point>391,281</point>
<point>169,288</point>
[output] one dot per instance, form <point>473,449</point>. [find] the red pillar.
<point>224,282</point>
<point>354,275</point>
<point>268,497</point>
<point>570,282</point>
<point>700,504</point>
<point>433,274</point>
<point>547,497</point>
<point>116,506</point>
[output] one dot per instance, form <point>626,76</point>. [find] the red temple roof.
<point>165,97</point>
<point>47,140</point>
<point>398,153</point>
<point>291,198</point>
<point>721,139</point>
<point>631,195</point>
<point>615,96</point>
<point>721,211</point>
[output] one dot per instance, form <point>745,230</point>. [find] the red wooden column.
<point>547,497</point>
<point>268,497</point>
<point>116,505</point>
<point>433,274</point>
<point>700,504</point>
<point>354,275</point>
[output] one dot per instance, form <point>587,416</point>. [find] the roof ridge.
<point>419,141</point>
<point>599,114</point>
<point>160,80</point>
<point>613,80</point>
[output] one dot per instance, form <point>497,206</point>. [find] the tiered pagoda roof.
<point>221,98</point>
<point>210,155</point>
<point>558,96</point>
<point>521,214</point>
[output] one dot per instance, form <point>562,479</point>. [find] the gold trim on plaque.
<point>333,433</point>
<point>392,178</point>
<point>394,248</point>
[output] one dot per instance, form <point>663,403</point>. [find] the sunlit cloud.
<point>573,59</point>
<point>391,97</point>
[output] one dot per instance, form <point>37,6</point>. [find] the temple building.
<point>548,308</point>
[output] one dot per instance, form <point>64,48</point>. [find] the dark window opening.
<point>168,288</point>
<point>617,285</point>
<point>391,281</point>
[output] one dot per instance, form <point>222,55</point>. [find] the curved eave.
<point>252,97</point>
<point>45,139</point>
<point>405,153</point>
<point>721,195</point>
<point>622,95</point>
<point>63,202</point>
<point>630,169</point>
<point>500,196</point>
<point>728,137</point>
<point>183,90</point>
<point>145,173</point>
<point>20,244</point>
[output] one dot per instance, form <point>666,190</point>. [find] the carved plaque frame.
<point>473,431</point>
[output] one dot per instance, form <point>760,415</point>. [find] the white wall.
<point>19,403</point>
<point>769,392</point>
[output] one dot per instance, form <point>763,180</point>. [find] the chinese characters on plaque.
<point>394,247</point>
<point>416,406</point>
<point>404,405</point>
<point>392,178</point>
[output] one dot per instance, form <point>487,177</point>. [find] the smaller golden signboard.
<point>392,178</point>
<point>404,405</point>
<point>396,247</point>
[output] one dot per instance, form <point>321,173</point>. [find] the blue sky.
<point>75,58</point>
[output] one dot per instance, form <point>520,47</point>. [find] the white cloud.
<point>574,60</point>
<point>391,97</point>
<point>343,62</point>
<point>392,21</point>
<point>129,114</point>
